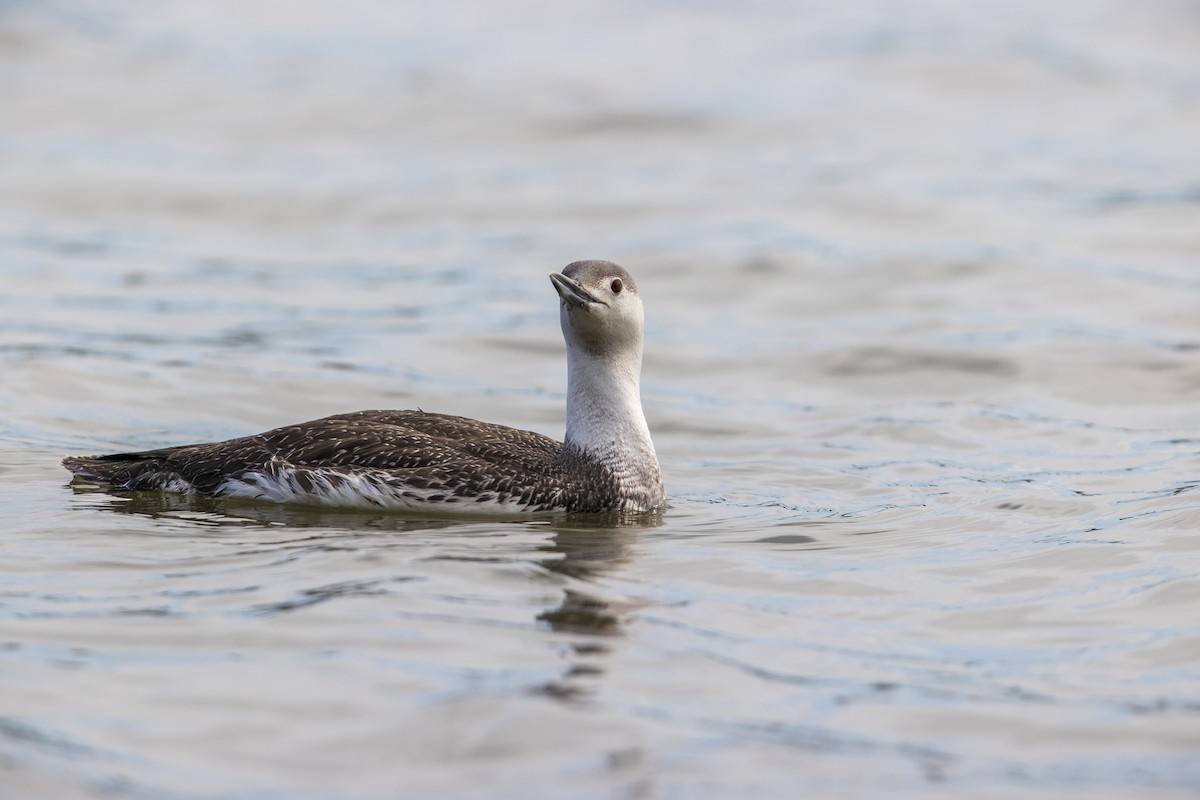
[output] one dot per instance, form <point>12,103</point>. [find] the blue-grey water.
<point>922,366</point>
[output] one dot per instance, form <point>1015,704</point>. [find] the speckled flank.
<point>406,460</point>
<point>378,459</point>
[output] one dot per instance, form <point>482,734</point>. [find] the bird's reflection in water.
<point>588,549</point>
<point>583,549</point>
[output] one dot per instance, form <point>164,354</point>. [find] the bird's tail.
<point>145,470</point>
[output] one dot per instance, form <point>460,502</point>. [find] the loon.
<point>418,461</point>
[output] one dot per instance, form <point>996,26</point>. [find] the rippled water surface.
<point>923,370</point>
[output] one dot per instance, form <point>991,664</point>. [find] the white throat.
<point>604,415</point>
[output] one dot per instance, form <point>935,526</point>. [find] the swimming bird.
<point>418,461</point>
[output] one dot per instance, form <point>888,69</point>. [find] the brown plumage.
<point>418,457</point>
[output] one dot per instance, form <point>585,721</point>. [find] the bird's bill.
<point>571,291</point>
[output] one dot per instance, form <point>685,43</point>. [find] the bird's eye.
<point>616,286</point>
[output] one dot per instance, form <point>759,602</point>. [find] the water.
<point>923,296</point>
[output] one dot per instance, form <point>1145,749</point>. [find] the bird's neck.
<point>605,419</point>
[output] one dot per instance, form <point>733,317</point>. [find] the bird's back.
<point>375,459</point>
